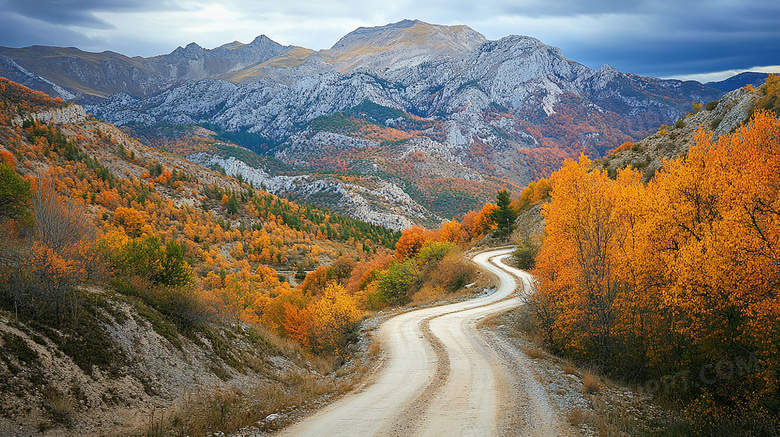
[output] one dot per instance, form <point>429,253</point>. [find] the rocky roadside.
<point>583,402</point>
<point>365,359</point>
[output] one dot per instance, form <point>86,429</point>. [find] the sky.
<point>685,39</point>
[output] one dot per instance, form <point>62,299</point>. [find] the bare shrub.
<point>59,221</point>
<point>591,382</point>
<point>578,416</point>
<point>59,407</point>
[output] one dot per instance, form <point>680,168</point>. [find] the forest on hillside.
<point>90,207</point>
<point>672,284</point>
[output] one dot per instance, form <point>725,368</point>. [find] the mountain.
<point>400,45</point>
<point>75,75</point>
<point>739,80</point>
<point>85,77</point>
<point>439,112</point>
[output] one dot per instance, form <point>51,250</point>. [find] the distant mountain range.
<point>439,111</point>
<point>739,80</point>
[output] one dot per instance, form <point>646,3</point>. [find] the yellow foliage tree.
<point>335,316</point>
<point>131,220</point>
<point>680,274</point>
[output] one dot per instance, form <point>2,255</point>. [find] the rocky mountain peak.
<point>191,50</point>
<point>409,32</point>
<point>604,76</point>
<point>405,43</point>
<point>262,40</point>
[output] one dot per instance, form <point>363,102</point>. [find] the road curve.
<point>437,379</point>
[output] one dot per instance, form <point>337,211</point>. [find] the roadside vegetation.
<point>670,285</point>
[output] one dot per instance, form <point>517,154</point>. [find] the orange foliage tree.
<point>131,220</point>
<point>412,240</point>
<point>675,278</point>
<point>478,224</point>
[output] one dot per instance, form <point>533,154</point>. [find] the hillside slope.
<point>133,281</point>
<point>719,117</point>
<point>148,287</point>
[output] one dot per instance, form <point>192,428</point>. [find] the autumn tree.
<point>678,275</point>
<point>335,318</point>
<point>133,221</point>
<point>453,232</point>
<point>59,221</point>
<point>533,194</point>
<point>149,259</point>
<point>579,239</point>
<point>435,251</point>
<point>478,223</point>
<point>412,240</point>
<point>395,284</point>
<point>525,254</point>
<point>43,264</point>
<point>298,324</point>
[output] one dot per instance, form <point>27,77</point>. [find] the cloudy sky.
<point>703,40</point>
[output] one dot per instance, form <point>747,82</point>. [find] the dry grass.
<point>374,350</point>
<point>324,364</point>
<point>428,293</point>
<point>231,409</point>
<point>491,321</point>
<point>59,407</point>
<point>280,346</point>
<point>534,352</point>
<point>609,421</point>
<point>591,383</point>
<point>578,416</point>
<point>569,368</point>
<point>598,421</point>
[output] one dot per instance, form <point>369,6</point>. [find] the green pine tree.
<point>504,216</point>
<point>14,194</point>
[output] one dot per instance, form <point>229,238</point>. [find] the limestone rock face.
<point>68,114</point>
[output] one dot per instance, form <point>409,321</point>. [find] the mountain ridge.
<point>461,37</point>
<point>456,103</point>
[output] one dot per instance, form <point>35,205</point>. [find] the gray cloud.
<point>19,31</point>
<point>79,12</point>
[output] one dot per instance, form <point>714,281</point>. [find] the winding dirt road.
<point>439,377</point>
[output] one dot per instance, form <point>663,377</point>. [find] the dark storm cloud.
<point>660,38</point>
<point>17,31</point>
<point>67,22</point>
<point>77,12</point>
